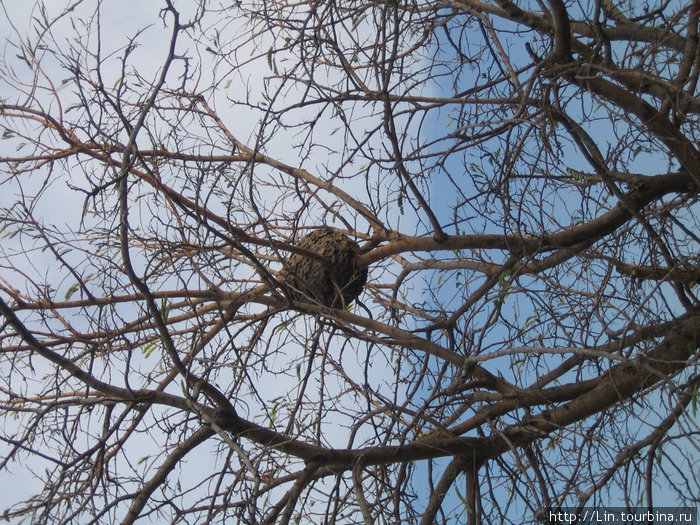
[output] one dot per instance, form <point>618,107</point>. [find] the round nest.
<point>335,281</point>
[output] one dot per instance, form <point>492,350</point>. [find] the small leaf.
<point>270,61</point>
<point>659,456</point>
<point>148,349</point>
<point>72,290</point>
<point>164,309</point>
<point>281,327</point>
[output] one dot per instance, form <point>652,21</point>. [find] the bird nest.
<point>333,278</point>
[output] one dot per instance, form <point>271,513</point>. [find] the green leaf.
<point>359,15</point>
<point>659,454</point>
<point>530,321</point>
<point>72,290</point>
<point>148,349</point>
<point>164,309</point>
<point>271,59</point>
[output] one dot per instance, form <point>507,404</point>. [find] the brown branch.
<point>449,476</point>
<point>561,52</point>
<point>689,276</point>
<point>623,381</point>
<point>174,457</point>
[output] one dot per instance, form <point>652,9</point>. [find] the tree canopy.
<point>518,180</point>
